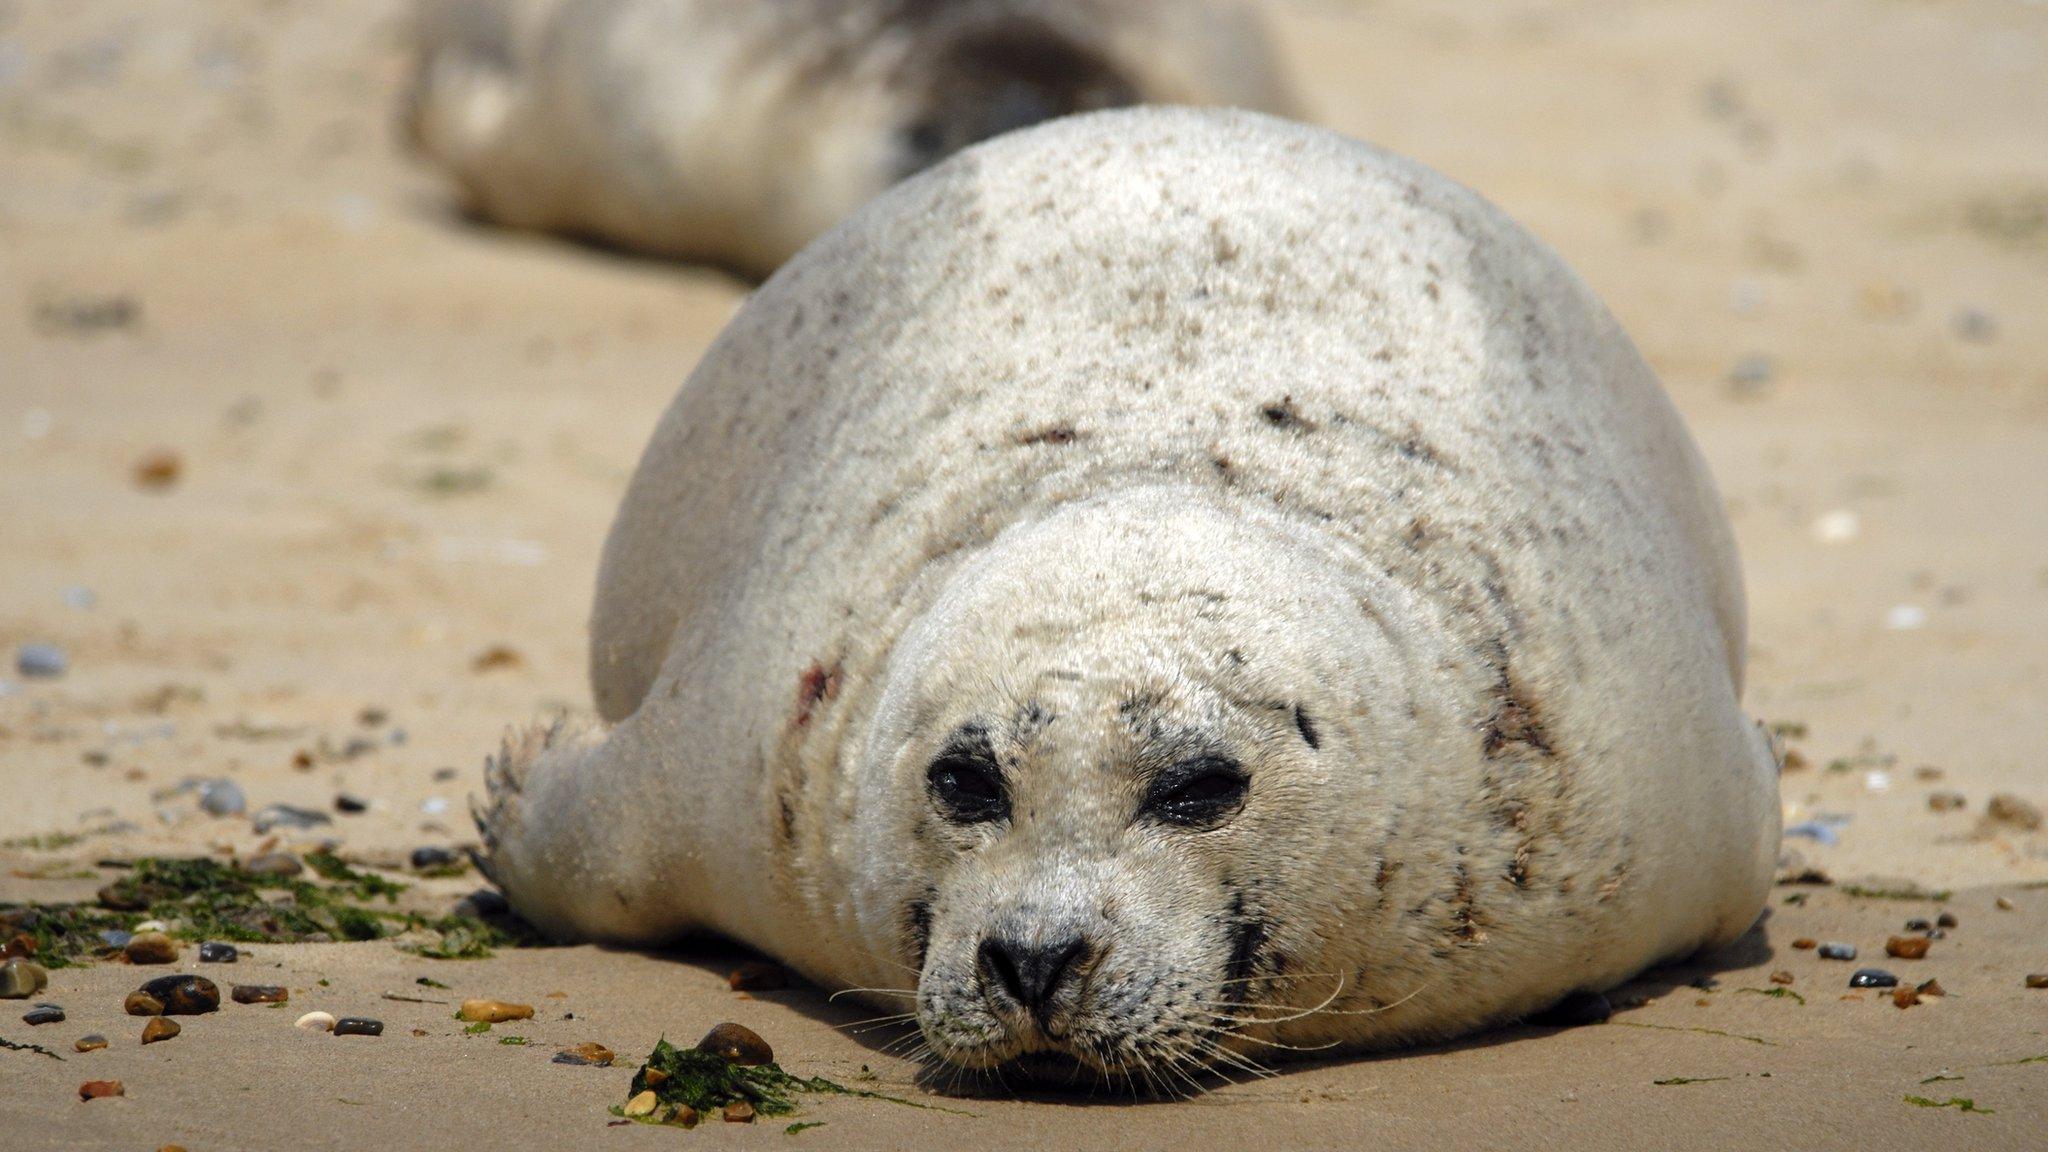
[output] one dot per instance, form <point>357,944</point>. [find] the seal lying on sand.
<point>1160,588</point>
<point>737,131</point>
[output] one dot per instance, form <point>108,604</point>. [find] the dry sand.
<point>400,439</point>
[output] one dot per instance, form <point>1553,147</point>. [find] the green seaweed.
<point>800,1125</point>
<point>519,1040</point>
<point>1776,993</point>
<point>467,938</point>
<point>1910,892</point>
<point>430,982</point>
<point>1938,1078</point>
<point>476,1029</point>
<point>361,885</point>
<point>2041,1059</point>
<point>1701,1031</point>
<point>1688,1080</point>
<point>706,1082</point>
<point>1959,1103</point>
<point>24,1047</point>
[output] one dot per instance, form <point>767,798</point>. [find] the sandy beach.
<point>304,479</point>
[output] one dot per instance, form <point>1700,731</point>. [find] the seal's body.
<point>1157,574</point>
<point>735,132</point>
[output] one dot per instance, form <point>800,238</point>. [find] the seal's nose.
<point>1029,974</point>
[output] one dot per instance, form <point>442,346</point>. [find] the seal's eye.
<point>966,784</point>
<point>1198,793</point>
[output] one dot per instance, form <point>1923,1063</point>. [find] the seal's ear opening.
<point>1003,75</point>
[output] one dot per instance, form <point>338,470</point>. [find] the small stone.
<point>1935,934</point>
<point>350,804</point>
<point>739,1112</point>
<point>2006,808</point>
<point>159,470</point>
<point>286,816</point>
<point>642,1104</point>
<point>100,1089</point>
<point>92,1043</point>
<point>260,994</point>
<point>372,717</point>
<point>1781,977</point>
<point>1975,325</point>
<point>315,1022</point>
<point>358,1026</point>
<point>1751,376</point>
<point>142,1004</point>
<point>1805,943</point>
<point>2037,980</point>
<point>737,1044</point>
<point>1907,947</point>
<point>1918,925</point>
<point>1945,801</point>
<point>184,995</point>
<point>160,1028</point>
<point>215,952</point>
<point>151,948</point>
<point>758,976</point>
<point>280,864</point>
<point>483,904</point>
<point>430,857</point>
<point>115,939</point>
<point>1946,920</point>
<point>2003,904</point>
<point>222,798</point>
<point>1931,988</point>
<point>1833,951</point>
<point>43,1014</point>
<point>1873,978</point>
<point>590,1055</point>
<point>497,658</point>
<point>41,661</point>
<point>1903,997</point>
<point>493,1011</point>
<point>21,979</point>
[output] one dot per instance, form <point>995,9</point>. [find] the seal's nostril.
<point>1029,974</point>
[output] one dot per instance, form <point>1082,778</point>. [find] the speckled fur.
<point>1141,433</point>
<point>737,130</point>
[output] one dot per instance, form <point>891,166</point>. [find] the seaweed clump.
<point>693,1083</point>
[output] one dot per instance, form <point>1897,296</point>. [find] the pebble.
<point>43,1014</point>
<point>160,1028</point>
<point>1904,997</point>
<point>430,857</point>
<point>273,864</point>
<point>643,1104</point>
<point>1946,920</point>
<point>151,948</point>
<point>2006,808</point>
<point>358,1026</point>
<point>1838,951</point>
<point>1804,943</point>
<point>1945,801</point>
<point>158,470</point>
<point>115,938</point>
<point>1975,325</point>
<point>1907,947</point>
<point>1931,988</point>
<point>1873,978</point>
<point>184,995</point>
<point>739,1112</point>
<point>1918,925</point>
<point>588,1055</point>
<point>260,994</point>
<point>737,1044</point>
<point>758,976</point>
<point>215,952</point>
<point>222,798</point>
<point>100,1089</point>
<point>40,661</point>
<point>2037,980</point>
<point>2003,904</point>
<point>92,1043</point>
<point>1751,375</point>
<point>482,904</point>
<point>350,804</point>
<point>286,816</point>
<point>21,979</point>
<point>142,1004</point>
<point>1781,977</point>
<point>493,1011</point>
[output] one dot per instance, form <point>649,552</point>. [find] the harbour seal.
<point>736,132</point>
<point>1164,588</point>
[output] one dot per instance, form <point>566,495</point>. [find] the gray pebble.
<point>215,952</point>
<point>286,816</point>
<point>358,1026</point>
<point>350,804</point>
<point>274,864</point>
<point>80,598</point>
<point>1975,325</point>
<point>43,1014</point>
<point>115,937</point>
<point>1917,925</point>
<point>1838,951</point>
<point>222,798</point>
<point>1751,375</point>
<point>41,661</point>
<point>425,858</point>
<point>1873,978</point>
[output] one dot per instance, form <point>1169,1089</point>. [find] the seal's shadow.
<point>1057,1085</point>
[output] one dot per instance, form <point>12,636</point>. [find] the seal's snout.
<point>1030,976</point>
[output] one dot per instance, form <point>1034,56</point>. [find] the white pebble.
<point>315,1022</point>
<point>1877,781</point>
<point>1838,527</point>
<point>150,926</point>
<point>1905,617</point>
<point>434,805</point>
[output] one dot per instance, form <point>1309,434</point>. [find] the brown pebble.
<point>2006,808</point>
<point>159,1028</point>
<point>643,1104</point>
<point>758,976</point>
<point>2004,905</point>
<point>1702,1002</point>
<point>557,996</point>
<point>1932,988</point>
<point>493,1011</point>
<point>143,1004</point>
<point>172,1148</point>
<point>22,945</point>
<point>2037,979</point>
<point>497,657</point>
<point>1946,920</point>
<point>151,948</point>
<point>1904,997</point>
<point>737,1043</point>
<point>158,470</point>
<point>92,1043</point>
<point>100,1089</point>
<point>1945,801</point>
<point>261,994</point>
<point>739,1112</point>
<point>184,995</point>
<point>419,1031</point>
<point>589,1054</point>
<point>1781,977</point>
<point>273,864</point>
<point>1928,772</point>
<point>1793,762</point>
<point>1907,947</point>
<point>1805,943</point>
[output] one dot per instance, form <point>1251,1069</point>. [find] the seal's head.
<point>1125,807</point>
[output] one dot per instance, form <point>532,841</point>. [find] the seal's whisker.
<point>874,1022</point>
<point>909,992</point>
